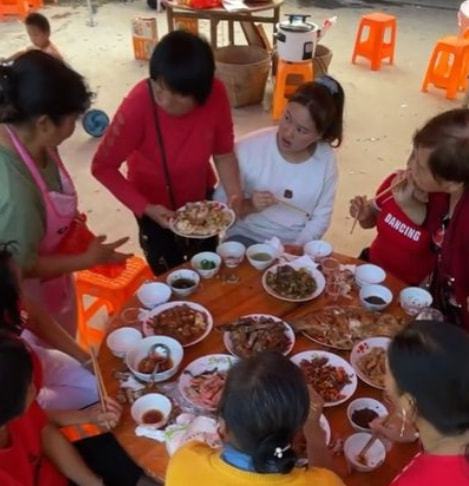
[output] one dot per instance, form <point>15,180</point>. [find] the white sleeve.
<point>320,220</point>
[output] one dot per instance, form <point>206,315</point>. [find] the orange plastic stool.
<point>300,71</point>
<point>18,8</point>
<point>448,66</point>
<point>82,431</point>
<point>374,47</point>
<point>110,293</point>
<point>35,4</point>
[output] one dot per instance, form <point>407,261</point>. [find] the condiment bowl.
<point>140,351</point>
<point>374,457</point>
<point>180,282</point>
<point>122,340</point>
<point>152,294</point>
<point>415,299</point>
<point>368,274</point>
<point>317,249</point>
<point>361,404</point>
<point>232,253</point>
<point>381,292</point>
<point>199,259</point>
<point>152,402</point>
<point>261,255</point>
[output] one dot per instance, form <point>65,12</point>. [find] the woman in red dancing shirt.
<point>167,129</point>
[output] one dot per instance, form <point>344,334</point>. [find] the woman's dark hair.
<point>429,361</point>
<point>38,20</point>
<point>10,314</point>
<point>39,84</point>
<point>184,63</point>
<point>447,134</point>
<point>264,404</point>
<point>324,99</point>
<point>16,370</point>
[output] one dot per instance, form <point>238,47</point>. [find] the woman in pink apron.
<point>40,101</point>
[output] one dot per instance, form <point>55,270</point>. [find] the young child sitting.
<point>265,404</point>
<point>38,29</point>
<point>403,245</point>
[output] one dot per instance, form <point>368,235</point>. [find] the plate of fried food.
<point>202,219</point>
<point>368,358</point>
<point>341,327</point>
<point>256,333</point>
<point>201,383</point>
<point>187,322</point>
<point>293,284</point>
<point>329,374</point>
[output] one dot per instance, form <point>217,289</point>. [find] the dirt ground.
<point>382,108</point>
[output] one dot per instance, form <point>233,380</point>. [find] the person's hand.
<point>360,208</point>
<point>392,430</point>
<point>316,405</point>
<point>99,253</point>
<point>262,200</point>
<point>107,419</point>
<point>235,202</point>
<point>159,214</point>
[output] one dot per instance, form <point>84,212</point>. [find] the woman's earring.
<point>404,422</point>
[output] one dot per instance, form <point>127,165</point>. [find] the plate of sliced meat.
<point>202,381</point>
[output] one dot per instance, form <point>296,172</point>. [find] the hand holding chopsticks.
<point>102,392</point>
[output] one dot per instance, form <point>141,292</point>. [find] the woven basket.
<point>244,71</point>
<point>321,60</point>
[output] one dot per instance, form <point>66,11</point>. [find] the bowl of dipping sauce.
<point>152,294</point>
<point>414,299</point>
<point>183,282</point>
<point>375,297</point>
<point>232,253</point>
<point>260,256</point>
<point>317,249</point>
<point>152,410</point>
<point>206,263</point>
<point>369,274</point>
<point>374,457</point>
<point>122,340</point>
<point>362,411</point>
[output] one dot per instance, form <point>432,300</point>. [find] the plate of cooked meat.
<point>368,357</point>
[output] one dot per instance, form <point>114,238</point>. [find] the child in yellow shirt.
<point>264,405</point>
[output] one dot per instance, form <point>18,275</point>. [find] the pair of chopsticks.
<point>379,195</point>
<point>102,392</point>
<point>292,206</point>
<point>361,456</point>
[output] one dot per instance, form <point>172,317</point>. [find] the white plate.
<point>226,209</point>
<point>149,331</point>
<point>364,347</point>
<point>336,361</point>
<point>288,332</point>
<point>316,274</point>
<point>223,362</point>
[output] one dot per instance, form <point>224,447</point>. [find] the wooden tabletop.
<point>250,7</point>
<point>227,301</point>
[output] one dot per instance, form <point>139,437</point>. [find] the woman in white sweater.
<point>295,164</point>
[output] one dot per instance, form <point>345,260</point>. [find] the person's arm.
<point>228,171</point>
<point>364,211</point>
<point>320,218</point>
<point>48,329</point>
<point>66,458</point>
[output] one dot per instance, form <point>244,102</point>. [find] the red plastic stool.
<point>448,66</point>
<point>301,72</point>
<point>110,293</point>
<point>374,47</point>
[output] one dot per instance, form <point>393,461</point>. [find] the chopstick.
<point>292,206</point>
<point>361,456</point>
<point>102,392</point>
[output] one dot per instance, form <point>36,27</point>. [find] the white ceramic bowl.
<point>122,340</point>
<point>258,249</point>
<point>368,291</point>
<point>210,256</point>
<point>140,351</point>
<point>152,294</point>
<point>151,402</point>
<point>368,274</point>
<point>414,299</point>
<point>361,349</point>
<point>374,457</point>
<point>362,403</point>
<point>185,274</point>
<point>317,249</point>
<point>232,253</point>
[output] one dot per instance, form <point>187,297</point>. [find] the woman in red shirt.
<point>167,129</point>
<point>427,380</point>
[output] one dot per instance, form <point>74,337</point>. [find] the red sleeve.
<point>37,415</point>
<point>7,480</point>
<point>224,133</point>
<point>384,185</point>
<point>123,136</point>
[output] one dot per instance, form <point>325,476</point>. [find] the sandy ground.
<point>382,108</point>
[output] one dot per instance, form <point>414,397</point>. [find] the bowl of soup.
<point>152,410</point>
<point>260,256</point>
<point>183,282</point>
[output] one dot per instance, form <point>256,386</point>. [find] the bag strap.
<point>159,136</point>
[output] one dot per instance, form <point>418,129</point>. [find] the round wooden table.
<point>227,301</point>
<point>250,14</point>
